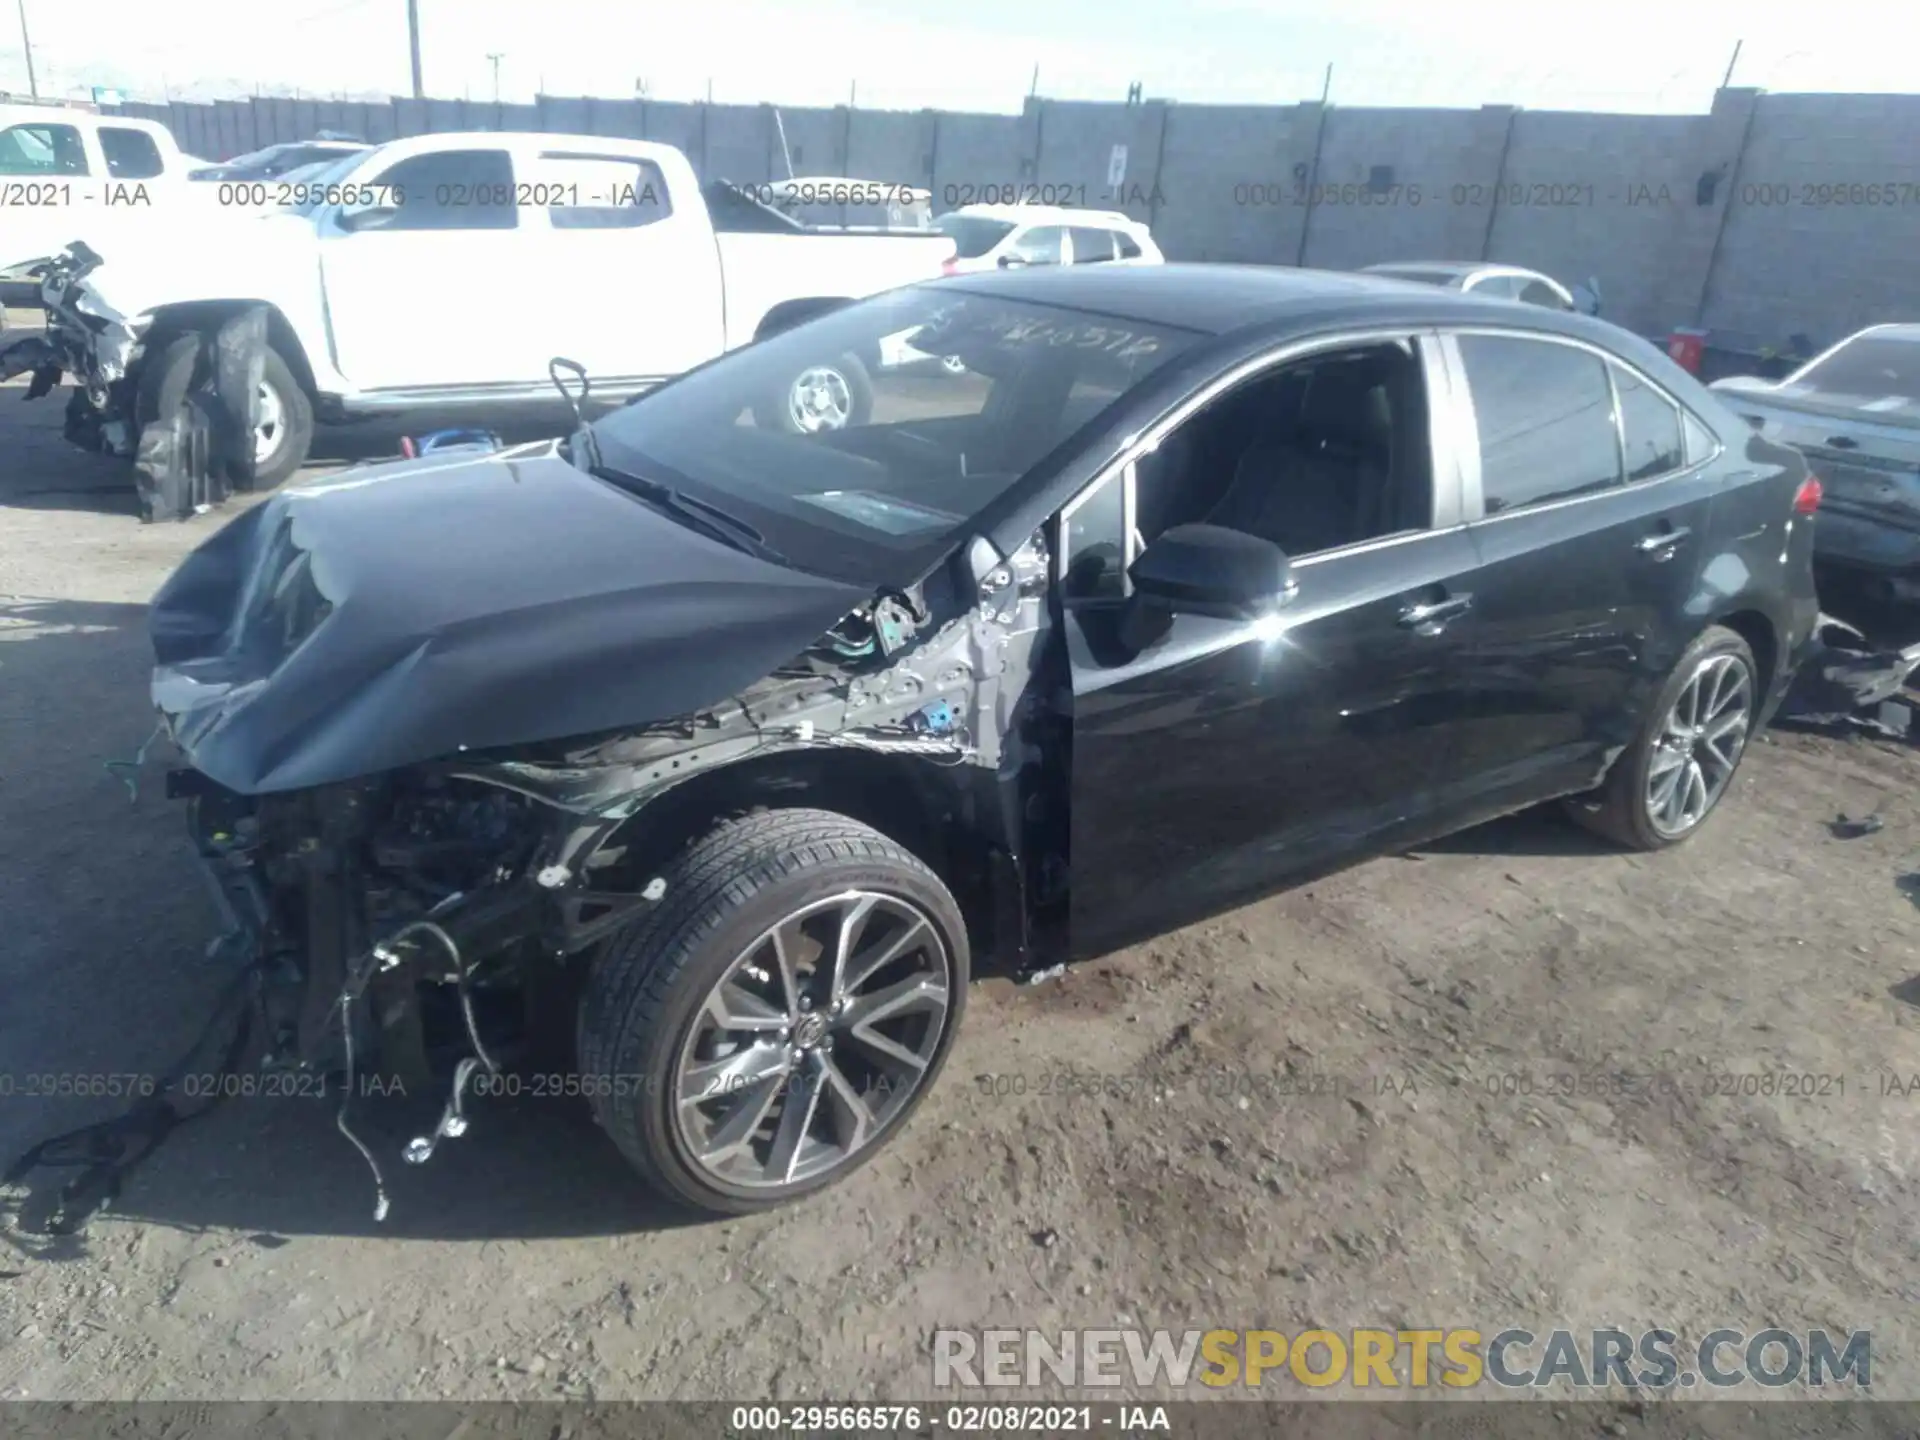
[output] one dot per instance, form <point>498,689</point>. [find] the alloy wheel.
<point>820,399</point>
<point>1699,744</point>
<point>813,1041</point>
<point>271,429</point>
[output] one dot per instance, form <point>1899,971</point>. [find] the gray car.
<point>1854,411</point>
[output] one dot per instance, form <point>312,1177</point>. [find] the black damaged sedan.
<point>753,733</point>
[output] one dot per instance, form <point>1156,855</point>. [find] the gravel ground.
<point>1419,1185</point>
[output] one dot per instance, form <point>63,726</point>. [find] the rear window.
<point>973,235</point>
<point>130,154</point>
<point>1868,367</point>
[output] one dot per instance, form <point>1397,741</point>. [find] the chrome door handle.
<point>1437,613</point>
<point>1662,542</point>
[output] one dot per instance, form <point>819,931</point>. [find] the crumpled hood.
<point>398,613</point>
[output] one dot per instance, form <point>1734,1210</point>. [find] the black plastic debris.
<point>1852,689</point>
<point>1846,827</point>
<point>192,460</point>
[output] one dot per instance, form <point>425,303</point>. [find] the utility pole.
<point>496,56</point>
<point>26,44</point>
<point>413,44</point>
<point>1727,79</point>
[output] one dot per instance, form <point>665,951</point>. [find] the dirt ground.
<point>1418,1185</point>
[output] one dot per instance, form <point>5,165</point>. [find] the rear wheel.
<point>821,396</point>
<point>1682,763</point>
<point>774,1021</point>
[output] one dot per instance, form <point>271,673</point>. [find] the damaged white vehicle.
<point>384,284</point>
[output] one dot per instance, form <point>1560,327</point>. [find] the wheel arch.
<point>1762,635</point>
<point>789,313</point>
<point>170,321</point>
<point>944,814</point>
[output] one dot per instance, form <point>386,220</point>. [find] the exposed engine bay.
<point>416,922</point>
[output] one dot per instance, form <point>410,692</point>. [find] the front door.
<point>1222,757</point>
<point>423,281</point>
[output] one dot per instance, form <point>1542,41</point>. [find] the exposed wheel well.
<point>172,320</point>
<point>927,809</point>
<point>1757,630</point>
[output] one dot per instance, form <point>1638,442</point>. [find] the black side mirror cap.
<point>1211,570</point>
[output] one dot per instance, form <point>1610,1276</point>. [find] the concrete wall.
<point>1755,219</point>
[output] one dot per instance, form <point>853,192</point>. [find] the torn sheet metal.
<point>1852,687</point>
<point>334,632</point>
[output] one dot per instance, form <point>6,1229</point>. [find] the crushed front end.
<point>426,791</point>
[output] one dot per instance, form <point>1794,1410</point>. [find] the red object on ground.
<point>1687,348</point>
<point>1807,499</point>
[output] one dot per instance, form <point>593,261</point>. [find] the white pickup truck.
<point>69,175</point>
<point>450,270</point>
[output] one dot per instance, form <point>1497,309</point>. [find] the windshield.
<point>973,235</point>
<point>1868,367</point>
<point>946,400</point>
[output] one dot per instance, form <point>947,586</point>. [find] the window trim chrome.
<point>1476,513</point>
<point>1444,452</point>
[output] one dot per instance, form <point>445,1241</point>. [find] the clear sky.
<point>1640,55</point>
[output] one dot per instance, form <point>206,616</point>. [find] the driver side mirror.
<point>1211,570</point>
<point>375,217</point>
<point>1013,262</point>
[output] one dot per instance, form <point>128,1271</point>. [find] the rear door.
<point>1591,516</point>
<point>1224,757</point>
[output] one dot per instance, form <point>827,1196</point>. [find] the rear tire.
<point>1624,808</point>
<point>168,378</point>
<point>690,1015</point>
<point>817,397</point>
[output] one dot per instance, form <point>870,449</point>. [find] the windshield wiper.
<point>702,515</point>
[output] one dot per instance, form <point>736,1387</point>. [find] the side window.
<point>1701,442</point>
<point>130,154</point>
<point>1316,455</point>
<point>1537,292</point>
<point>1039,246</point>
<point>451,190</point>
<point>1544,412</point>
<point>1497,287</point>
<point>1093,543</point>
<point>1090,247</point>
<point>596,192</point>
<point>1126,247</point>
<point>42,150</point>
<point>1651,425</point>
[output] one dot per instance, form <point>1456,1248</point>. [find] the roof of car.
<point>1059,214</point>
<point>1216,299</point>
<point>1904,330</point>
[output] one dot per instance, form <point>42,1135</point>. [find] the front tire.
<point>774,1021</point>
<point>1682,762</point>
<point>285,436</point>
